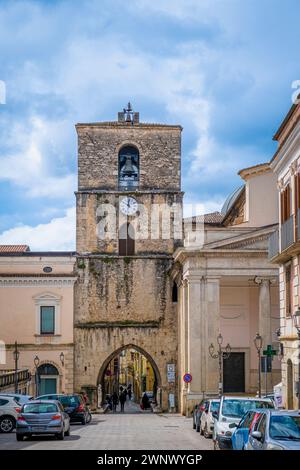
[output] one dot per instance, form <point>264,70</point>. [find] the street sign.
<point>171,373</point>
<point>187,378</point>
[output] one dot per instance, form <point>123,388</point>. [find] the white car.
<point>9,411</point>
<point>207,419</point>
<point>231,411</point>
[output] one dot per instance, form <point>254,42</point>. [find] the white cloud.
<point>34,157</point>
<point>58,234</point>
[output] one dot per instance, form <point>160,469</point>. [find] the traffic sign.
<point>187,378</point>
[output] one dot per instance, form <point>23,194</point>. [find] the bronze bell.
<point>128,169</point>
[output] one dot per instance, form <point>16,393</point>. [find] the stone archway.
<point>157,384</point>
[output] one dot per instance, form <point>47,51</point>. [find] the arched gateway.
<point>125,298</point>
<point>130,366</point>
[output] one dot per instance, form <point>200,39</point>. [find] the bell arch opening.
<point>128,167</point>
<point>131,368</point>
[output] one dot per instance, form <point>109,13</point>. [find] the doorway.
<point>234,373</point>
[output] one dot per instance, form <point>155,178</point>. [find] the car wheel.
<point>19,437</point>
<point>61,435</point>
<point>7,424</point>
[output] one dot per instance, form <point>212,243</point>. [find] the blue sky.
<point>223,69</point>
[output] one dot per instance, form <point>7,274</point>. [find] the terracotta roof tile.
<point>14,248</point>
<point>211,218</point>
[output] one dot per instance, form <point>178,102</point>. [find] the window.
<point>262,426</point>
<point>288,290</point>
<point>47,320</point>
<point>128,167</point>
<point>3,402</point>
<point>285,204</point>
<point>126,240</point>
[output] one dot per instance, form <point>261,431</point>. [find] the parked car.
<point>42,417</point>
<point>231,410</point>
<point>207,420</point>
<point>276,430</point>
<point>197,412</point>
<point>241,431</point>
<point>73,404</point>
<point>18,396</point>
<point>9,411</point>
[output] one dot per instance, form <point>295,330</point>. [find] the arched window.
<point>126,240</point>
<point>128,167</point>
<point>175,293</point>
<point>47,369</point>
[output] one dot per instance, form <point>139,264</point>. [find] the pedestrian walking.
<point>122,400</point>
<point>115,401</point>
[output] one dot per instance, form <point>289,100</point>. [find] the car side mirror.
<point>256,435</point>
<point>232,425</point>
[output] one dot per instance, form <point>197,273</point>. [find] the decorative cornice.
<point>16,281</point>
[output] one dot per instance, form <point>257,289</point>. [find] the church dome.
<point>231,200</point>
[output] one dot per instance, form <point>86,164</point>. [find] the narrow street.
<point>132,430</point>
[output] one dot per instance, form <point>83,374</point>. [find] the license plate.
<point>38,429</point>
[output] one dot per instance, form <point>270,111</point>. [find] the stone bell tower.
<point>129,204</point>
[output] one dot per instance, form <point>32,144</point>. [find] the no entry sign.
<point>187,378</point>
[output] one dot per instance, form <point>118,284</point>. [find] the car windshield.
<point>285,427</point>
<point>237,408</point>
<point>69,401</point>
<point>215,405</point>
<point>40,408</point>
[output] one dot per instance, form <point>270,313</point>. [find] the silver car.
<point>276,430</point>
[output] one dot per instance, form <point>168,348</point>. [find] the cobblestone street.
<point>134,430</point>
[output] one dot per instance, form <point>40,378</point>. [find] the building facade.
<point>36,299</point>
<point>228,286</point>
<point>285,247</point>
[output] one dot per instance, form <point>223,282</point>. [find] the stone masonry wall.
<point>99,145</point>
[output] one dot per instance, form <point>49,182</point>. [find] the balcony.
<point>287,233</point>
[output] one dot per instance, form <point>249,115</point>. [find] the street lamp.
<point>296,318</point>
<point>258,344</point>
<point>36,361</point>
<point>220,355</point>
<point>16,355</point>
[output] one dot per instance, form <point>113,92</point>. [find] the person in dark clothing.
<point>123,399</point>
<point>145,401</point>
<point>129,393</point>
<point>115,401</point>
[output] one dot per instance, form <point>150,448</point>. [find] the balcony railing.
<point>287,233</point>
<point>8,377</point>
<point>273,244</point>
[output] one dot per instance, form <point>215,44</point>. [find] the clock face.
<point>128,205</point>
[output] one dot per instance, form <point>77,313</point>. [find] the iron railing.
<point>287,233</point>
